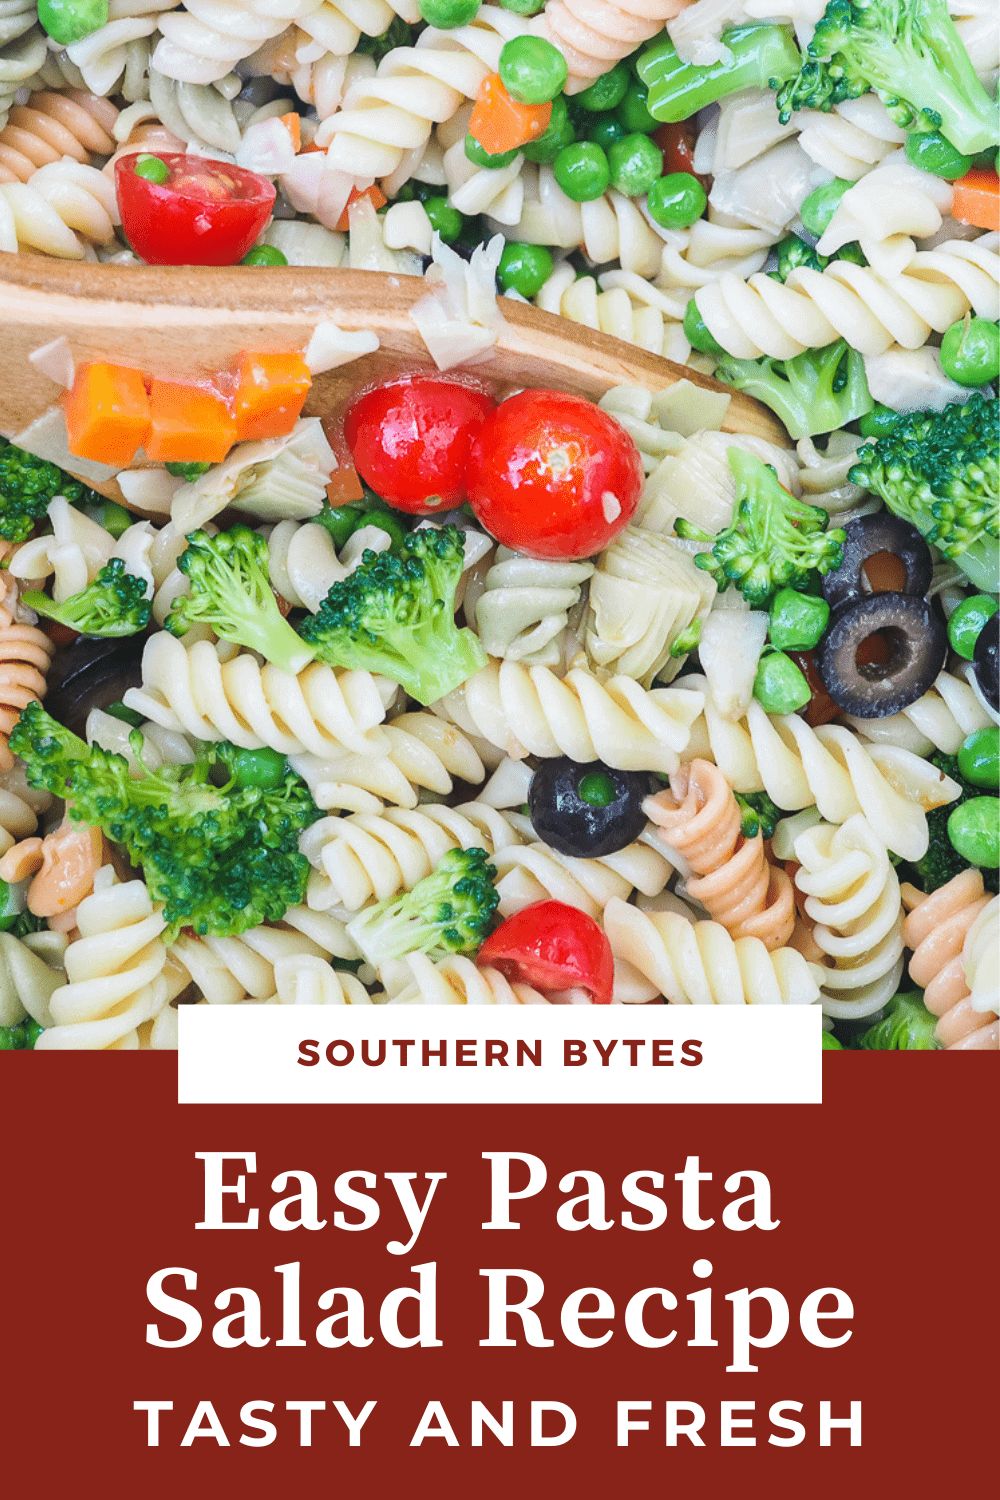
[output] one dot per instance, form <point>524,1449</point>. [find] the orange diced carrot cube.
<point>344,486</point>
<point>500,123</point>
<point>189,424</point>
<point>270,391</point>
<point>107,414</point>
<point>293,125</point>
<point>374,193</point>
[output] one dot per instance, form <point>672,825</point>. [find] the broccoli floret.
<point>27,487</point>
<point>678,89</point>
<point>942,862</point>
<point>759,814</point>
<point>910,53</point>
<point>793,252</point>
<point>818,391</point>
<point>231,592</point>
<point>447,912</point>
<point>938,470</point>
<point>395,615</point>
<point>20,1038</point>
<point>22,923</point>
<point>773,541</point>
<point>906,1026</point>
<point>189,472</point>
<point>221,859</point>
<point>114,604</point>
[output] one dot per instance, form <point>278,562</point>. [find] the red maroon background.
<point>887,1190</point>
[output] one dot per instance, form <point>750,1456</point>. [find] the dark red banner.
<point>886,1192</point>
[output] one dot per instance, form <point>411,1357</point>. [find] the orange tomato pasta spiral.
<point>25,654</point>
<point>52,126</point>
<point>736,883</point>
<point>936,930</point>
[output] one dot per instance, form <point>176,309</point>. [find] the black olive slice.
<point>986,662</point>
<point>917,643</point>
<point>586,810</point>
<point>91,673</point>
<point>866,537</point>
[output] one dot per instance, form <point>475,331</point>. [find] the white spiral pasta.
<point>940,720</point>
<point>226,970</point>
<point>852,896</point>
<point>535,872</point>
<point>457,981</point>
<point>593,35</point>
<point>372,856</point>
<point>852,139</point>
<point>698,963</point>
<point>530,711</point>
<point>608,228</point>
<point>305,979</point>
<point>477,190</point>
<point>20,806</point>
<point>981,959</point>
<point>886,211</point>
<point>116,50</point>
<point>823,473</point>
<point>60,198</point>
<point>114,973</point>
<point>830,767</point>
<point>76,550</point>
<point>319,711</point>
<point>622,304</point>
<point>423,752</point>
<point>692,258</point>
<point>871,311</point>
<point>524,607</point>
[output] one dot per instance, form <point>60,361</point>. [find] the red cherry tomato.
<point>677,144</point>
<point>410,440</point>
<point>553,476</point>
<point>207,214</point>
<point>552,946</point>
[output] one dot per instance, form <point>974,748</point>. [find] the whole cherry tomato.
<point>410,440</point>
<point>553,476</point>
<point>180,210</point>
<point>552,946</point>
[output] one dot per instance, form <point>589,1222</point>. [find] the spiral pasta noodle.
<point>872,312</point>
<point>594,36</point>
<point>852,139</point>
<point>936,929</point>
<point>611,227</point>
<point>424,752</point>
<point>830,767</point>
<point>941,719</point>
<point>319,711</point>
<point>887,210</point>
<point>22,52</point>
<point>695,257</point>
<point>736,883</point>
<point>621,304</point>
<point>227,969</point>
<point>20,806</point>
<point>458,981</point>
<point>58,199</point>
<point>852,896</point>
<point>535,872</point>
<point>25,654</point>
<point>699,963</point>
<point>530,711</point>
<point>51,126</point>
<point>372,856</point>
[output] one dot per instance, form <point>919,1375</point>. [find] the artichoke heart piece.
<point>645,592</point>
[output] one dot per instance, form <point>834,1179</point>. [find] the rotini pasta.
<point>593,37</point>
<point>20,807</point>
<point>458,981</point>
<point>22,52</point>
<point>652,320</point>
<point>25,654</point>
<point>886,211</point>
<point>305,979</point>
<point>227,969</point>
<point>609,228</point>
<point>534,872</point>
<point>52,126</point>
<point>699,963</point>
<point>854,137</point>
<point>940,720</point>
<point>57,200</point>
<point>423,752</point>
<point>936,929</point>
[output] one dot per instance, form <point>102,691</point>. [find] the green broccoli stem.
<point>816,392</point>
<point>678,90</point>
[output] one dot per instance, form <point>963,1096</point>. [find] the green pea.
<point>797,620</point>
<point>523,7</point>
<point>582,171</point>
<point>447,14</point>
<point>265,769</point>
<point>606,92</point>
<point>482,158</point>
<point>676,200</point>
<point>880,420</point>
<point>974,831</point>
<point>636,163</point>
<point>779,687</point>
<point>967,621</point>
<point>560,133</point>
<point>830,1043</point>
<point>68,21</point>
<point>152,169</point>
<point>264,255</point>
<point>933,153</point>
<point>524,268</point>
<point>696,331</point>
<point>112,516</point>
<point>979,758</point>
<point>633,113</point>
<point>597,789</point>
<point>532,70</point>
<point>126,715</point>
<point>387,521</point>
<point>605,130</point>
<point>445,219</point>
<point>821,205</point>
<point>970,351</point>
<point>424,190</point>
<point>341,521</point>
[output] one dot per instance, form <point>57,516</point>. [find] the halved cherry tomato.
<point>208,213</point>
<point>552,946</point>
<point>676,141</point>
<point>410,440</point>
<point>553,476</point>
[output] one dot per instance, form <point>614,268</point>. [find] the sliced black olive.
<point>986,662</point>
<point>586,810</point>
<point>91,673</point>
<point>917,643</point>
<point>866,537</point>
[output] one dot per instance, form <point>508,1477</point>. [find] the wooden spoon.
<point>188,322</point>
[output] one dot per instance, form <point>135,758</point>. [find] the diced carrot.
<point>344,486</point>
<point>107,414</point>
<point>374,192</point>
<point>270,391</point>
<point>293,125</point>
<point>977,199</point>
<point>500,123</point>
<point>190,424</point>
